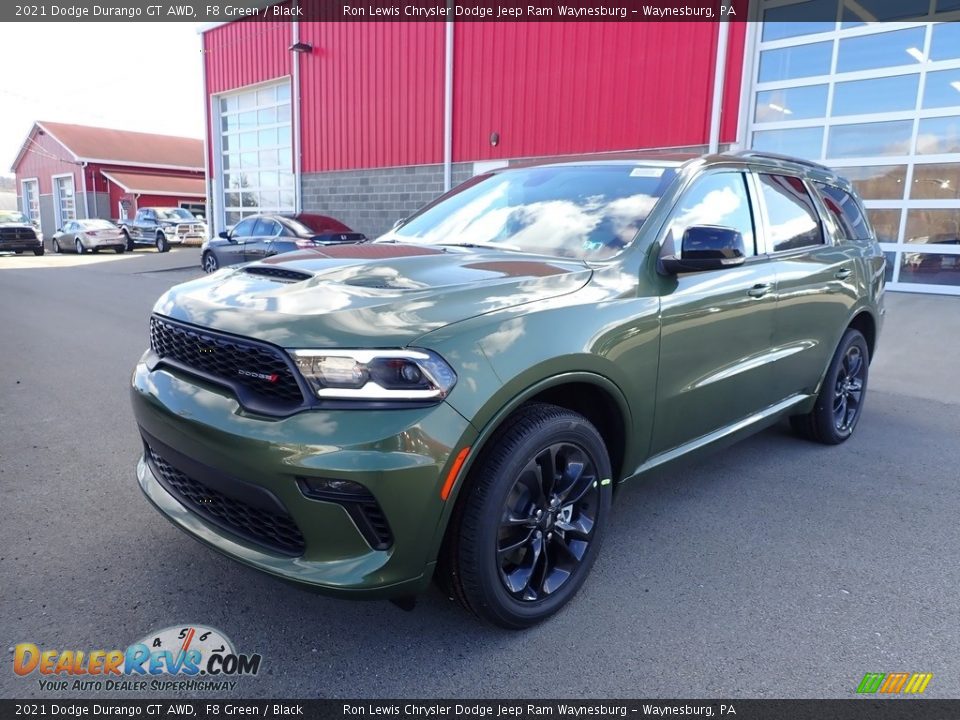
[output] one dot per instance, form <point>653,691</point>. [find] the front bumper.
<point>20,245</point>
<point>400,456</point>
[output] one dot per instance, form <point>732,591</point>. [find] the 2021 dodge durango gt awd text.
<point>461,397</point>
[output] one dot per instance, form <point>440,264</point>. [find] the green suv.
<point>461,397</point>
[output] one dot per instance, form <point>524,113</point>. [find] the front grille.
<point>278,273</point>
<point>14,234</point>
<point>259,373</point>
<point>274,532</point>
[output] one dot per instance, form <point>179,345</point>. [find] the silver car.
<point>83,235</point>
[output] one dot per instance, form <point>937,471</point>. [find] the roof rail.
<point>784,158</point>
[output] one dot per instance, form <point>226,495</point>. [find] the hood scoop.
<point>277,273</point>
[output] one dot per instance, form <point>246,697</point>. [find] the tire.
<point>129,242</point>
<point>162,244</point>
<point>209,262</point>
<point>56,246</point>
<point>18,252</point>
<point>38,252</point>
<point>95,251</point>
<point>840,402</point>
<point>78,246</point>
<point>120,249</point>
<point>516,574</point>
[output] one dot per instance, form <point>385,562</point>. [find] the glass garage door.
<point>255,152</point>
<point>880,102</point>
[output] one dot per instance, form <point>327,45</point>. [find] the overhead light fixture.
<point>301,47</point>
<point>916,54</point>
<point>780,108</point>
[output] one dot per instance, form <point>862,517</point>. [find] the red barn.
<point>369,120</point>
<point>74,171</point>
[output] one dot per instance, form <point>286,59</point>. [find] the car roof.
<point>753,159</point>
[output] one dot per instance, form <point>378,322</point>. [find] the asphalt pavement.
<point>776,568</point>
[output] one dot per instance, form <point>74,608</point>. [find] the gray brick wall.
<point>371,201</point>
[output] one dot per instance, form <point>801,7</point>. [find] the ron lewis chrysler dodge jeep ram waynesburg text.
<point>461,396</point>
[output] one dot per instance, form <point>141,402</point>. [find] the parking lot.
<point>776,568</point>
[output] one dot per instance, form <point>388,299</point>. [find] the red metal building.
<point>369,120</point>
<point>74,171</point>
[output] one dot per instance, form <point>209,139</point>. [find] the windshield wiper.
<point>487,245</point>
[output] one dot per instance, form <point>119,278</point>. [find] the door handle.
<point>842,273</point>
<point>759,290</point>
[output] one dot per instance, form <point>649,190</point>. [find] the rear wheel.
<point>162,244</point>
<point>840,402</point>
<point>120,249</point>
<point>56,245</point>
<point>127,240</point>
<point>38,251</point>
<point>529,522</point>
<point>209,263</point>
<point>79,247</point>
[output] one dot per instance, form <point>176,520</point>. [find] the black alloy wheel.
<point>528,522</point>
<point>547,522</point>
<point>840,402</point>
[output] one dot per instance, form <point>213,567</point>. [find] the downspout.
<point>297,164</point>
<point>719,75</point>
<point>448,107</point>
<point>96,209</point>
<point>211,216</point>
<point>83,188</point>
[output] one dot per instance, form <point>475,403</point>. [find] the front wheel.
<point>162,244</point>
<point>120,249</point>
<point>530,519</point>
<point>127,241</point>
<point>38,251</point>
<point>209,262</point>
<point>840,402</point>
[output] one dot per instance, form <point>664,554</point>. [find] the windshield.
<point>97,225</point>
<point>13,216</point>
<point>577,211</point>
<point>174,214</point>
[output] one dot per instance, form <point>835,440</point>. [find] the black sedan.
<point>260,236</point>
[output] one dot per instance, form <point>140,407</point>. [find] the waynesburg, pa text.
<point>652,12</point>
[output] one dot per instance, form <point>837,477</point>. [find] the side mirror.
<point>399,223</point>
<point>707,247</point>
<point>223,235</point>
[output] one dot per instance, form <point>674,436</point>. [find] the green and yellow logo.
<point>893,683</point>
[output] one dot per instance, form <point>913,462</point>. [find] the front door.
<point>232,253</point>
<point>259,246</point>
<point>716,326</point>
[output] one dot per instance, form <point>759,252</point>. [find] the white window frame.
<point>57,204</point>
<point>910,160</point>
<point>220,187</point>
<point>23,194</point>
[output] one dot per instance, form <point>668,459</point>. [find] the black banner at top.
<point>215,11</point>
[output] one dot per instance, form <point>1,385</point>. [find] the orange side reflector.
<point>454,471</point>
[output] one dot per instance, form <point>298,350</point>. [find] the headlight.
<point>382,375</point>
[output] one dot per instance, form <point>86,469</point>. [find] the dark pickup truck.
<point>162,227</point>
<point>17,234</point>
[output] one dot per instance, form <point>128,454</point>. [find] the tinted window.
<point>846,211</point>
<point>793,221</point>
<point>244,228</point>
<point>578,211</point>
<point>265,228</point>
<point>718,199</point>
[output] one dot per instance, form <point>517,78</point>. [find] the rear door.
<point>716,326</point>
<point>817,281</point>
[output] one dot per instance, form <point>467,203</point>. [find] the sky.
<point>133,76</point>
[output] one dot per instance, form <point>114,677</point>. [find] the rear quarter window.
<point>846,211</point>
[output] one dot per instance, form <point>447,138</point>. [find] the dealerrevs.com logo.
<point>183,657</point>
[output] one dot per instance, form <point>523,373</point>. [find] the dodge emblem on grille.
<point>268,377</point>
